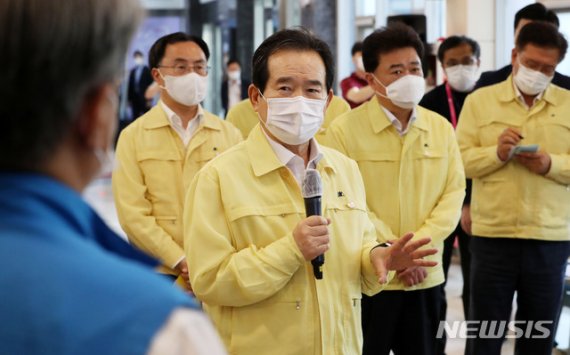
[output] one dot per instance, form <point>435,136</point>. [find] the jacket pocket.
<point>375,156</point>
<point>487,203</point>
<point>159,169</point>
<point>552,137</point>
<point>350,333</point>
<point>277,327</point>
<point>169,224</point>
<point>262,225</point>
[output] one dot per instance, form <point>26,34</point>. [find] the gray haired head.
<point>54,53</point>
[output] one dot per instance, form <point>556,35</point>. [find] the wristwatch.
<point>381,245</point>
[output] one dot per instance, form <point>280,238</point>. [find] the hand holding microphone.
<point>311,234</point>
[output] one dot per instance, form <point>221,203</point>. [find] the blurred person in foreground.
<point>520,201</point>
<point>69,285</point>
<point>248,241</point>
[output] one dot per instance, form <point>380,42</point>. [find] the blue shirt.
<point>68,284</point>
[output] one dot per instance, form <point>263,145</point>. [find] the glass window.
<point>365,7</point>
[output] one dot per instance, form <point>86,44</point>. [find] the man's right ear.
<point>157,77</point>
<point>370,78</point>
<point>254,96</point>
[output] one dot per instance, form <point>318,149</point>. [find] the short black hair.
<point>157,50</point>
<point>455,41</point>
<point>232,61</point>
<point>356,47</point>
<point>387,39</point>
<point>536,12</point>
<point>544,35</point>
<point>298,38</point>
<point>137,53</point>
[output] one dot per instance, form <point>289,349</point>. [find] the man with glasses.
<point>159,154</point>
<point>459,58</point>
<point>514,138</point>
<point>528,14</point>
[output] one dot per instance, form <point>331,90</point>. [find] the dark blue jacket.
<point>68,284</point>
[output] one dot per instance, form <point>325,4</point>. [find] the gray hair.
<point>53,54</point>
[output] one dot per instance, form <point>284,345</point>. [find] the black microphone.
<point>312,192</point>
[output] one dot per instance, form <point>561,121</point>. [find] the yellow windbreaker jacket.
<point>245,266</point>
<point>414,183</point>
<point>152,174</point>
<point>507,199</point>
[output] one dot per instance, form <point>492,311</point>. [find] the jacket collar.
<point>507,92</point>
<point>157,118</point>
<point>380,121</point>
<point>262,157</point>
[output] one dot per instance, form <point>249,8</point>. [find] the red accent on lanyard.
<point>451,105</point>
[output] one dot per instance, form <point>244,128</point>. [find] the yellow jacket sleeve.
<point>559,168</point>
<point>134,209</point>
<point>253,274</point>
<point>478,160</point>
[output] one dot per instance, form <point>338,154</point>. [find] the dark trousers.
<point>535,270</point>
<point>465,257</point>
<point>405,322</point>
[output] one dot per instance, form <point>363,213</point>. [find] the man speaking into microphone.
<point>249,241</point>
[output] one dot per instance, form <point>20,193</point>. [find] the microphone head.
<point>312,185</point>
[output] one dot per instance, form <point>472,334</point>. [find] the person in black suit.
<point>139,80</point>
<point>460,59</point>
<point>234,87</point>
<point>530,13</point>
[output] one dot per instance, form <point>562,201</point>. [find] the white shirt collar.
<point>397,124</point>
<point>520,97</point>
<point>176,122</point>
<point>293,162</point>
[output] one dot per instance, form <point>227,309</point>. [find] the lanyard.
<point>451,105</point>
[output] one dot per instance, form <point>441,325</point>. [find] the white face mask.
<point>531,82</point>
<point>405,92</point>
<point>234,75</point>
<point>462,78</point>
<point>139,61</point>
<point>294,120</point>
<point>189,89</point>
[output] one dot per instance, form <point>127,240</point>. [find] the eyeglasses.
<point>544,68</point>
<point>181,69</point>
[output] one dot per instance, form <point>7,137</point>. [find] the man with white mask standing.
<point>459,58</point>
<point>414,179</point>
<point>247,238</point>
<point>514,138</point>
<point>159,154</point>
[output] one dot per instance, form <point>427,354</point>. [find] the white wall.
<point>475,19</point>
<point>555,4</point>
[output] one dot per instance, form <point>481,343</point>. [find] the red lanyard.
<point>451,105</point>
